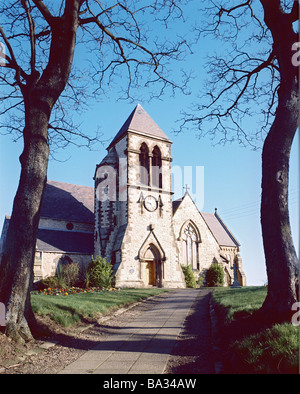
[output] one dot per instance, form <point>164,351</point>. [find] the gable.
<point>186,211</point>
<point>185,204</point>
<point>186,208</point>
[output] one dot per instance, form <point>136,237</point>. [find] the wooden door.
<point>150,273</point>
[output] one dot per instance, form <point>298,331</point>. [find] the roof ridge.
<point>67,183</point>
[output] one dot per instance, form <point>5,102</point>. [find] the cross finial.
<point>186,188</point>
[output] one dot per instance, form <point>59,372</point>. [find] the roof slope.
<point>219,230</point>
<point>68,202</point>
<point>140,121</point>
<point>49,240</point>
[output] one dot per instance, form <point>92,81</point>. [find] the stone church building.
<point>130,218</point>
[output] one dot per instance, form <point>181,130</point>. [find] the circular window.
<point>70,226</point>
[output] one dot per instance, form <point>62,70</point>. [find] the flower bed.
<point>56,291</point>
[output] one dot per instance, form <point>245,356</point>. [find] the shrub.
<point>50,281</point>
<point>100,273</point>
<point>190,280</point>
<point>215,275</point>
<point>70,274</point>
<point>201,279</point>
<point>67,274</point>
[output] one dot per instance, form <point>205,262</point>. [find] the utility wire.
<point>253,208</point>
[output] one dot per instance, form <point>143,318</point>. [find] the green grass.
<point>75,308</point>
<point>267,350</point>
<point>239,301</point>
<point>271,351</point>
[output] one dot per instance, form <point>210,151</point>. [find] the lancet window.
<point>190,242</point>
<point>156,173</point>
<point>144,164</point>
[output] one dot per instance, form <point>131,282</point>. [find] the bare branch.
<point>12,62</point>
<point>116,35</point>
<point>230,10</point>
<point>244,81</point>
<point>31,33</point>
<point>44,11</point>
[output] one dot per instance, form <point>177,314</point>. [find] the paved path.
<point>142,346</point>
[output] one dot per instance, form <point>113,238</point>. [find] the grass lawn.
<point>239,301</point>
<point>258,349</point>
<point>73,308</point>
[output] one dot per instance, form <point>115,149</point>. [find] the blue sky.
<point>232,174</point>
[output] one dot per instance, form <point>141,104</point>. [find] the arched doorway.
<point>152,272</point>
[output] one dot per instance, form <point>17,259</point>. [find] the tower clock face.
<point>150,203</point>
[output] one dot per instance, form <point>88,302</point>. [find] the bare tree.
<point>40,80</point>
<point>257,78</point>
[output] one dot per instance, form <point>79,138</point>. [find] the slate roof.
<point>50,240</point>
<point>219,230</point>
<point>140,121</point>
<point>68,202</point>
<point>176,204</point>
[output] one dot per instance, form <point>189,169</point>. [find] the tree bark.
<point>40,94</point>
<point>280,254</point>
<point>16,269</point>
<point>281,259</point>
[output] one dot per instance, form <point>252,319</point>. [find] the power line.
<point>250,209</point>
<point>241,215</point>
<point>249,205</point>
<point>240,207</point>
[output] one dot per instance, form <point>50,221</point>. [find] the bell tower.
<point>133,206</point>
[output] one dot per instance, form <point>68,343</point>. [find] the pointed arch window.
<point>156,170</point>
<point>190,242</point>
<point>144,164</point>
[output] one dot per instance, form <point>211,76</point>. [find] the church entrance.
<point>152,272</point>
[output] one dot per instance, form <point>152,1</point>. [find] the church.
<point>130,218</point>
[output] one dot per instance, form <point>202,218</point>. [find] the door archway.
<point>152,268</point>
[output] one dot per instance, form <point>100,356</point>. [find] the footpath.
<point>144,345</point>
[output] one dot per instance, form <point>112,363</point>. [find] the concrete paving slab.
<point>144,345</point>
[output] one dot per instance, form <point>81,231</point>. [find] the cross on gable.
<point>186,188</point>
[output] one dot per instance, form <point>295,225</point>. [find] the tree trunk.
<point>16,269</point>
<point>40,94</point>
<point>281,259</point>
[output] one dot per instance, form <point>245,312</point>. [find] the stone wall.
<point>208,248</point>
<point>45,263</point>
